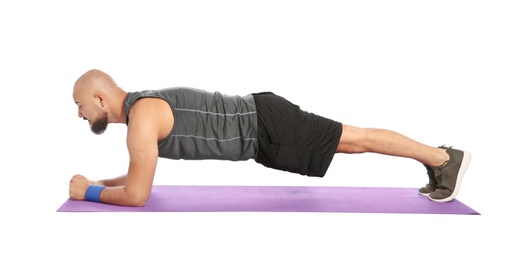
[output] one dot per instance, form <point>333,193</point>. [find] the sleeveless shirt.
<point>206,125</point>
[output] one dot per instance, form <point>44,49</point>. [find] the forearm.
<point>121,195</point>
<point>114,182</point>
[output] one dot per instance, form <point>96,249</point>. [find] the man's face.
<point>91,111</point>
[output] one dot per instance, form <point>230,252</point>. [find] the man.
<point>192,124</point>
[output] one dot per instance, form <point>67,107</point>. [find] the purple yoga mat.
<point>280,199</point>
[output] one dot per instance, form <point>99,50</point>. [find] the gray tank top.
<point>207,125</point>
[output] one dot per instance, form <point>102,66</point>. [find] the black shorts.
<point>293,140</point>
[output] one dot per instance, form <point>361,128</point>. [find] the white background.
<point>441,72</point>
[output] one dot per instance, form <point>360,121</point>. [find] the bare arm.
<point>143,134</point>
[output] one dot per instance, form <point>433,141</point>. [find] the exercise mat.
<point>193,198</point>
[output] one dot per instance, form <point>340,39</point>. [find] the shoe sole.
<point>464,165</point>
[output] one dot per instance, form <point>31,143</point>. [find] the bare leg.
<point>361,140</point>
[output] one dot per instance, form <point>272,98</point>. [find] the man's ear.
<point>99,96</point>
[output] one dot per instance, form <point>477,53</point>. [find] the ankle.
<point>440,157</point>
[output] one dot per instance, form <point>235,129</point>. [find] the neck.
<point>119,114</point>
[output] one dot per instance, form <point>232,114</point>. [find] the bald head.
<point>98,98</point>
<point>94,80</point>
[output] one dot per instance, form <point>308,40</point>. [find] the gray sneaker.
<point>431,186</point>
<point>449,175</point>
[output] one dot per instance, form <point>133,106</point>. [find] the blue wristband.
<point>93,193</point>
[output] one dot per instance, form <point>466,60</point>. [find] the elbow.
<point>139,202</point>
<point>137,199</point>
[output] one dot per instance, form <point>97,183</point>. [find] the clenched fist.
<point>78,186</point>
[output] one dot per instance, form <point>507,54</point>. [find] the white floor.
<point>440,72</point>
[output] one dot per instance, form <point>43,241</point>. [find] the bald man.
<point>192,124</point>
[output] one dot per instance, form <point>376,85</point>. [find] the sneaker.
<point>449,175</point>
<point>431,186</point>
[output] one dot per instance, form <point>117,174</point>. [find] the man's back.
<point>207,125</point>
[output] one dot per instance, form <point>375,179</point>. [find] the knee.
<point>352,140</point>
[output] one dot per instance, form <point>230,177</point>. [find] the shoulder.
<point>151,115</point>
<point>149,107</point>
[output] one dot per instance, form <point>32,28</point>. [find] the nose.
<point>79,114</point>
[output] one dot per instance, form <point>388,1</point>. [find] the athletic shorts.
<point>294,140</point>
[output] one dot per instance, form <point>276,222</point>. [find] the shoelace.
<point>440,168</point>
<point>439,179</point>
<point>430,174</point>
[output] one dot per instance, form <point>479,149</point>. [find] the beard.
<point>99,125</point>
